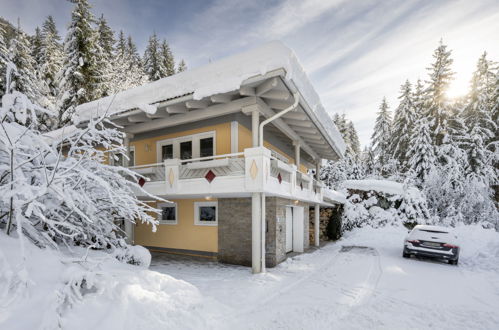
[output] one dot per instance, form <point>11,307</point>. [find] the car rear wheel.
<point>453,262</point>
<point>406,255</point>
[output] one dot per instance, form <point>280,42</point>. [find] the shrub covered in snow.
<point>134,255</point>
<point>381,202</point>
<point>60,190</point>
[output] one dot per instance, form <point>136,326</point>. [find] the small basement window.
<point>206,213</point>
<point>168,215</point>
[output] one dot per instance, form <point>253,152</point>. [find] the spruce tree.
<point>3,60</point>
<point>403,123</point>
<point>153,63</point>
<point>381,136</point>
<point>52,57</point>
<point>24,79</point>
<point>105,51</point>
<point>167,58</point>
<point>36,48</point>
<point>182,66</point>
<point>81,73</point>
<point>436,104</point>
<point>478,118</point>
<point>353,138</point>
<point>420,155</point>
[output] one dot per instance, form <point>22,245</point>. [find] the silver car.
<point>433,242</point>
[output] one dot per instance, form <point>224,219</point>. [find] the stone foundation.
<point>234,230</point>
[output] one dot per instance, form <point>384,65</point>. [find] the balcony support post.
<point>317,224</point>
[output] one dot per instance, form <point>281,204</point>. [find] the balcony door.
<point>187,147</point>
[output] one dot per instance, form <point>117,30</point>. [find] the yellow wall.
<point>245,141</point>
<point>184,235</point>
<point>145,150</point>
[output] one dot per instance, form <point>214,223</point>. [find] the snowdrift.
<point>50,289</point>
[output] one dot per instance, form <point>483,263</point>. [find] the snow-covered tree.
<point>478,118</point>
<point>353,137</point>
<point>403,123</point>
<point>105,58</point>
<point>75,198</point>
<point>51,60</point>
<point>381,136</point>
<point>167,58</point>
<point>128,70</point>
<point>436,105</point>
<point>181,66</point>
<point>420,155</point>
<point>24,78</point>
<point>36,47</point>
<point>81,74</point>
<point>153,60</point>
<point>4,58</point>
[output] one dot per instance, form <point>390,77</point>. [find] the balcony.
<point>230,175</point>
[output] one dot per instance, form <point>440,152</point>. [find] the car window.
<point>434,231</point>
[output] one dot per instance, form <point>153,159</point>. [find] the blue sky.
<point>355,52</point>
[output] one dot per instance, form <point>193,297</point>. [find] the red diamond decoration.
<point>210,176</point>
<point>142,182</point>
<point>301,185</point>
<point>279,178</point>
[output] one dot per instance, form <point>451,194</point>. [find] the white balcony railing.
<point>254,170</point>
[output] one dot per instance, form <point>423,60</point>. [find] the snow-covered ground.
<point>357,288</point>
<point>359,282</point>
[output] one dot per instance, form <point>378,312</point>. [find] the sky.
<point>355,52</point>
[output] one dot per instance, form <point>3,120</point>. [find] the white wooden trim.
<point>197,222</point>
<point>168,222</point>
<point>208,164</point>
<point>234,137</point>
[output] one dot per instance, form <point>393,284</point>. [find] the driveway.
<point>359,282</point>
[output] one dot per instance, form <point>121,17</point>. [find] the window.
<point>131,161</point>
<point>206,213</point>
<point>168,215</point>
<point>167,152</point>
<point>187,147</point>
<point>186,150</point>
<point>206,147</point>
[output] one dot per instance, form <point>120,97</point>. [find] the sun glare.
<point>458,88</point>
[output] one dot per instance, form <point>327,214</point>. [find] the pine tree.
<point>478,118</point>
<point>138,75</point>
<point>105,51</point>
<point>436,103</point>
<point>128,71</point>
<point>381,136</point>
<point>52,57</point>
<point>36,47</point>
<point>167,58</point>
<point>420,155</point>
<point>153,63</point>
<point>24,79</point>
<point>403,123</point>
<point>354,138</point>
<point>182,66</point>
<point>3,60</point>
<point>81,73</point>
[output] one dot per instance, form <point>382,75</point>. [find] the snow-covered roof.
<point>385,186</point>
<point>60,133</point>
<point>334,196</point>
<point>222,76</point>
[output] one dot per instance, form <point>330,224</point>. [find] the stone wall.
<point>234,230</point>
<point>325,216</point>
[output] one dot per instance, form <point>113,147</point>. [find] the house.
<point>231,145</point>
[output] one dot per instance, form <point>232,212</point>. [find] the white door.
<point>289,229</point>
<point>298,228</point>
